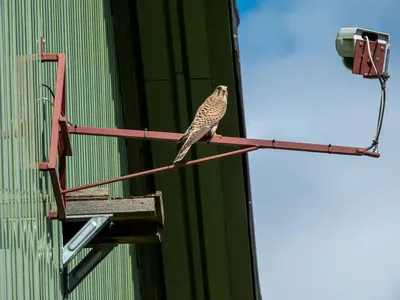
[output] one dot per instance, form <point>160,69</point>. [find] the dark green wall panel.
<point>184,51</point>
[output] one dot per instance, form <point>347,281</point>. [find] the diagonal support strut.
<point>92,227</point>
<point>83,237</point>
<point>87,264</point>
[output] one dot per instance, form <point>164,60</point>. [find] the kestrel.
<point>205,121</point>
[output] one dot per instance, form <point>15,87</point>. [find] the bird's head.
<point>221,91</point>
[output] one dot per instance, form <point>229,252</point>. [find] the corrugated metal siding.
<point>186,50</point>
<point>29,243</point>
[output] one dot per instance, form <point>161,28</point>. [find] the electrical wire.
<point>52,93</point>
<point>382,81</point>
<point>50,90</point>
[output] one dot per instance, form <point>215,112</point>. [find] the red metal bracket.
<point>46,56</point>
<point>362,63</point>
<point>61,131</point>
<point>60,143</point>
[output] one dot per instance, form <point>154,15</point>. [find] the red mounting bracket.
<point>362,63</point>
<point>59,124</point>
<point>60,142</point>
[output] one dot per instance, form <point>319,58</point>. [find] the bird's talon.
<point>216,134</point>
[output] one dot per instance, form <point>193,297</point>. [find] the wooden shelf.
<point>133,219</point>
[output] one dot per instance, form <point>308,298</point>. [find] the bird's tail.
<point>182,152</point>
<point>181,141</point>
<point>191,138</point>
<point>184,136</point>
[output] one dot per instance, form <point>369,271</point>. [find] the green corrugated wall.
<point>29,242</point>
<point>181,50</point>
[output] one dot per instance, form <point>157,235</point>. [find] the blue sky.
<point>246,5</point>
<point>327,227</point>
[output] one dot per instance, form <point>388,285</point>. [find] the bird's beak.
<point>223,89</point>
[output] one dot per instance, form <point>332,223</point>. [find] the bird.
<point>205,121</point>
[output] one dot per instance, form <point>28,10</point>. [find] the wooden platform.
<point>133,219</point>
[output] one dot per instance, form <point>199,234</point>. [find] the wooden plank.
<point>129,208</point>
<point>149,207</point>
<point>89,194</point>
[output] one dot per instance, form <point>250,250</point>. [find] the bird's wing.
<point>192,138</point>
<point>184,135</point>
<point>207,116</point>
<point>209,113</point>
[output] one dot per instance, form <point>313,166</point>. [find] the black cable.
<point>375,141</point>
<point>50,90</point>
<point>52,93</point>
<point>382,106</point>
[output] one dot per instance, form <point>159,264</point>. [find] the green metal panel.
<point>29,242</point>
<point>172,54</point>
<point>186,51</point>
<point>240,258</point>
<point>29,247</point>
